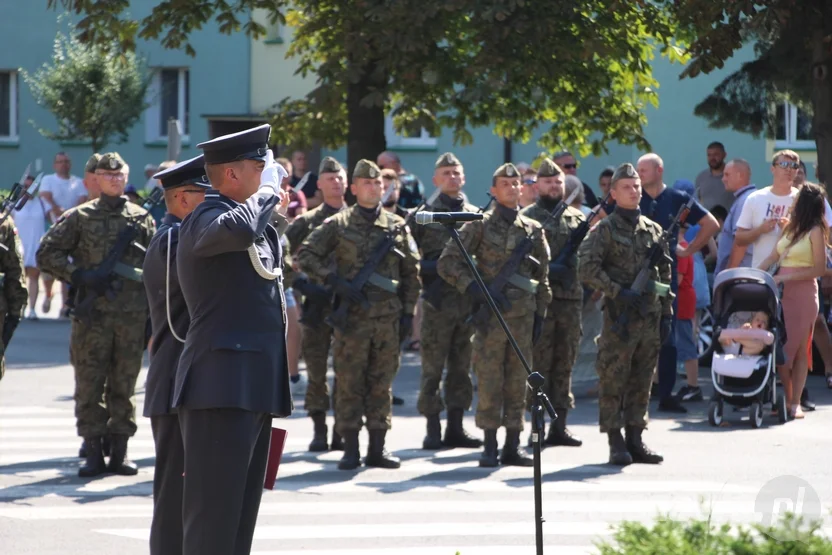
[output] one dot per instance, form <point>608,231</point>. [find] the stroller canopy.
<point>745,289</point>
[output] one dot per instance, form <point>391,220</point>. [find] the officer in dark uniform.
<point>232,377</point>
<point>184,185</point>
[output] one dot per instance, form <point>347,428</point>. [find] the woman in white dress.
<point>31,226</point>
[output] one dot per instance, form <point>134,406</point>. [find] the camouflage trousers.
<point>445,338</point>
<point>625,371</point>
<point>107,357</point>
<point>556,352</point>
<point>366,360</point>
<point>501,378</point>
<point>315,348</point>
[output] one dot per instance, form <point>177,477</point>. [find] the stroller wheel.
<point>756,414</point>
<point>715,413</point>
<point>782,415</point>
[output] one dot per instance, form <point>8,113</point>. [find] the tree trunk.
<point>822,98</point>
<point>365,135</point>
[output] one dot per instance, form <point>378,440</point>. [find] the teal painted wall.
<point>219,83</point>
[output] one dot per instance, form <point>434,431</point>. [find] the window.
<point>169,97</point>
<point>8,106</point>
<point>794,127</point>
<point>415,137</point>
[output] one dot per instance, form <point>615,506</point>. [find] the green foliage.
<point>95,93</point>
<point>578,72</point>
<point>791,535</point>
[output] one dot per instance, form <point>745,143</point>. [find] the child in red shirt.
<point>687,352</point>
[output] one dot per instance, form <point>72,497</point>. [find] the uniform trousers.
<point>166,528</point>
<point>315,348</point>
<point>109,351</point>
<point>226,452</point>
<point>668,354</point>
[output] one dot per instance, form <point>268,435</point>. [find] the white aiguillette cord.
<point>167,290</point>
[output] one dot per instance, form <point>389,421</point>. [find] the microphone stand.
<point>535,381</point>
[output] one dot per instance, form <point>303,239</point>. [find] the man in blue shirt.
<point>661,203</point>
<point>737,180</point>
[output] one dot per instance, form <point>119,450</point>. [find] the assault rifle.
<point>432,294</point>
<point>567,253</point>
<point>156,196</point>
<point>18,196</point>
<point>643,284</point>
<point>367,274</point>
<point>508,273</point>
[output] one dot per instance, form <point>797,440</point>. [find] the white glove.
<point>273,173</point>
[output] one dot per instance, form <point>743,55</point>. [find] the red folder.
<point>275,454</point>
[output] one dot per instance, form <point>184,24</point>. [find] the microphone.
<point>445,217</point>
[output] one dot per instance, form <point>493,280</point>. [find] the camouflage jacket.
<point>83,236</point>
<point>491,241</point>
<point>557,235</point>
<point>352,239</point>
<point>12,273</point>
<point>612,254</point>
<point>302,226</point>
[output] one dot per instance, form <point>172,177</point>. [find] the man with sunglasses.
<point>566,161</point>
<point>109,347</point>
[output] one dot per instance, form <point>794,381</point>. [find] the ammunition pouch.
<point>384,283</point>
<point>526,284</point>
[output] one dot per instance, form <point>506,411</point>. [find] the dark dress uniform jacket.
<point>235,351</point>
<point>165,348</point>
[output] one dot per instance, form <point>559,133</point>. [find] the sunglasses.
<point>570,166</point>
<point>788,165</point>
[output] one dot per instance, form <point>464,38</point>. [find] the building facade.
<point>187,88</point>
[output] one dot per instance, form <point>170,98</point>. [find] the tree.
<point>94,93</point>
<point>793,47</point>
<point>579,72</point>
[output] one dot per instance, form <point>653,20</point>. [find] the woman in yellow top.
<point>801,252</point>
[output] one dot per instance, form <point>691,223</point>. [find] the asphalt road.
<point>438,503</point>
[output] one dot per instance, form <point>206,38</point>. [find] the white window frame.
<point>395,140</point>
<point>154,112</point>
<point>790,125</point>
<point>13,135</point>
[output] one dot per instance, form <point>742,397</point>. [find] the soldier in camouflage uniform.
<point>15,294</point>
<point>611,256</point>
<point>523,302</point>
<point>317,335</point>
<point>556,352</point>
<point>446,337</point>
<point>366,352</point>
<point>109,348</point>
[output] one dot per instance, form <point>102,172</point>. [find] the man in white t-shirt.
<point>766,211</point>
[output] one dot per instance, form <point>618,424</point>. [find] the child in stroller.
<point>742,343</point>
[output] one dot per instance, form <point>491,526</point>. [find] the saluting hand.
<point>273,175</point>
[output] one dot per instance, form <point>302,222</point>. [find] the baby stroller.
<point>747,380</point>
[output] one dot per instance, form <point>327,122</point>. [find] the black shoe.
<point>318,443</point>
<point>397,400</point>
<point>638,451</point>
<point>512,455</point>
<point>489,459</point>
<point>377,455</point>
<point>689,393</point>
<point>671,404</point>
<point>455,434</point>
<point>352,456</point>
<point>119,463</point>
<point>337,443</point>
<point>619,455</point>
<point>94,465</point>
<point>433,439</point>
<point>559,435</point>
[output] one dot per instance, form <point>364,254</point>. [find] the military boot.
<point>455,434</point>
<point>352,456</point>
<point>489,458</point>
<point>619,455</point>
<point>337,443</point>
<point>433,439</point>
<point>638,451</point>
<point>377,455</point>
<point>512,455</point>
<point>318,442</point>
<point>559,435</point>
<point>105,448</point>
<point>119,463</point>
<point>94,464</point>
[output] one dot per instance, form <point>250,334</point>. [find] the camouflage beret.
<point>548,168</point>
<point>92,163</point>
<point>507,170</point>
<point>447,160</point>
<point>111,161</point>
<point>366,169</point>
<point>330,165</point>
<point>624,171</point>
